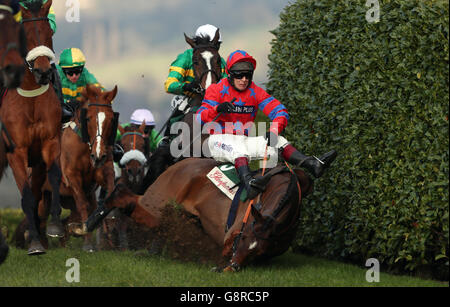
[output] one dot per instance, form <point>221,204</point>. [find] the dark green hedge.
<point>378,93</point>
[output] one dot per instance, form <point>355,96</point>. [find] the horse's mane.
<point>34,5</point>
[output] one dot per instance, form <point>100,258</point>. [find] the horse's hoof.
<point>36,248</point>
<point>55,230</point>
<point>88,248</point>
<point>233,267</point>
<point>78,229</point>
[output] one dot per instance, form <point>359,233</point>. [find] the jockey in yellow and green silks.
<point>73,74</point>
<point>74,77</point>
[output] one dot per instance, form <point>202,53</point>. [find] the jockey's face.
<point>73,78</point>
<point>73,74</point>
<point>241,84</point>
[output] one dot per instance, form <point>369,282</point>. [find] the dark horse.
<point>261,230</point>
<point>12,49</point>
<point>12,52</point>
<point>207,70</point>
<point>32,116</point>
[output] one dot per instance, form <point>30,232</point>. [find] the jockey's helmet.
<point>72,57</point>
<point>239,64</point>
<point>208,30</point>
<point>140,115</point>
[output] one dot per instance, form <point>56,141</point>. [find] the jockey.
<point>181,81</point>
<point>181,74</point>
<point>74,78</point>
<point>137,118</point>
<point>231,143</point>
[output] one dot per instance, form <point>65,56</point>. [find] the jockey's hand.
<point>193,87</point>
<point>272,139</point>
<point>225,107</point>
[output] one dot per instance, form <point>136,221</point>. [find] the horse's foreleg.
<point>18,162</point>
<point>82,205</point>
<point>50,154</point>
<point>55,227</point>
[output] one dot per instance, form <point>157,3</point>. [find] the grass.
<point>137,269</point>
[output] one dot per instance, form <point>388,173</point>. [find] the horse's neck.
<point>196,101</point>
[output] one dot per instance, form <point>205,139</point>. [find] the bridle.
<point>199,79</point>
<point>133,143</point>
<point>98,133</point>
<point>34,19</point>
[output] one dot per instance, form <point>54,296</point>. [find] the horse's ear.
<point>142,127</point>
<point>121,129</point>
<point>112,94</point>
<point>257,215</point>
<point>215,41</point>
<point>47,6</point>
<point>189,40</point>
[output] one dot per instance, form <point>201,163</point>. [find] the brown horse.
<point>267,232</point>
<point>133,163</point>
<point>32,117</point>
<point>86,162</point>
<point>135,146</point>
<point>12,49</point>
<point>12,52</point>
<point>207,70</point>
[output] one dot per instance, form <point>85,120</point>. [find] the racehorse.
<point>133,165</point>
<point>32,116</point>
<point>12,49</point>
<point>86,161</point>
<point>136,154</point>
<point>3,248</point>
<point>207,70</point>
<point>12,52</point>
<point>261,230</point>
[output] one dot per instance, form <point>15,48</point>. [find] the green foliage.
<point>378,94</point>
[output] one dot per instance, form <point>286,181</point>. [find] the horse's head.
<point>136,152</point>
<point>98,123</point>
<point>12,48</point>
<point>271,224</point>
<point>207,63</point>
<point>39,40</point>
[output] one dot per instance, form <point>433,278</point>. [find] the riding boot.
<point>314,165</point>
<point>246,177</point>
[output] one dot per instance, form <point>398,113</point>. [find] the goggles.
<point>73,70</point>
<point>241,74</point>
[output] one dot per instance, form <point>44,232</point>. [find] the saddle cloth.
<point>226,179</point>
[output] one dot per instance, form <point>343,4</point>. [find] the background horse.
<point>32,117</point>
<point>86,163</point>
<point>3,248</point>
<point>12,49</point>
<point>133,165</point>
<point>267,232</point>
<point>12,52</point>
<point>207,70</point>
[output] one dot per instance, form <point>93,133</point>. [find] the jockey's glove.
<point>225,107</point>
<point>272,138</point>
<point>193,87</point>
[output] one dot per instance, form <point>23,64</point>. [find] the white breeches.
<point>229,147</point>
